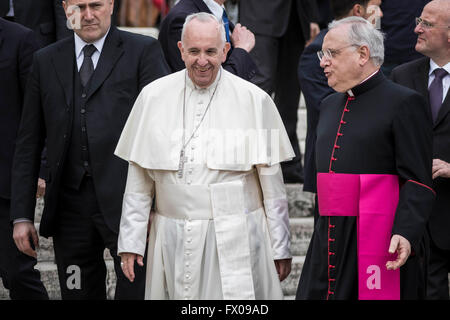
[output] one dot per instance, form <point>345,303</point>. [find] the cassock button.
<point>83,111</point>
<point>83,95</point>
<point>189,240</point>
<point>85,163</point>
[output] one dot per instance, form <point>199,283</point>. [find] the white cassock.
<point>218,229</point>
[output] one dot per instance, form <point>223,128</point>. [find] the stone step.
<point>300,203</point>
<point>301,232</point>
<point>49,276</point>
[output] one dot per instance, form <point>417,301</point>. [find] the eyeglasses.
<point>428,25</point>
<point>331,53</point>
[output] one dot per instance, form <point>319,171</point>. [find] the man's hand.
<point>440,169</point>
<point>40,188</point>
<point>402,246</point>
<point>283,268</point>
<point>242,38</point>
<point>314,30</point>
<point>22,233</point>
<point>127,264</point>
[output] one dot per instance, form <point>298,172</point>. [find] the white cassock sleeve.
<point>137,202</point>
<point>276,207</point>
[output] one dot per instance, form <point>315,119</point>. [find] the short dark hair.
<point>341,8</point>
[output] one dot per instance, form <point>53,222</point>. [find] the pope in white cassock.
<point>206,146</point>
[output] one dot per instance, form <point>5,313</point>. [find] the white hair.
<point>363,33</point>
<point>204,17</point>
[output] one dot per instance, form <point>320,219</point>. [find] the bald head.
<point>441,8</point>
<point>203,20</point>
<point>433,33</point>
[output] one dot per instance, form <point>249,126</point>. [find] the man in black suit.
<point>238,62</point>
<point>314,84</point>
<point>80,93</point>
<point>430,76</point>
<point>281,29</point>
<point>17,45</point>
<point>45,17</point>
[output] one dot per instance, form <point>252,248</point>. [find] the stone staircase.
<point>301,230</point>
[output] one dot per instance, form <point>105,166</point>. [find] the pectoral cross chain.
<point>183,159</point>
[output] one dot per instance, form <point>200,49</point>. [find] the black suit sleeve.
<point>413,148</point>
<point>152,65</point>
<point>173,35</point>
<point>312,10</point>
<point>61,29</point>
<point>29,144</point>
<point>28,46</point>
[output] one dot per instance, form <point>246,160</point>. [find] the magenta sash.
<point>373,199</point>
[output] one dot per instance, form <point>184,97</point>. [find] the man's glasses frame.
<point>428,25</point>
<point>331,53</point>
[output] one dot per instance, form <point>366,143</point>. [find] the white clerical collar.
<point>434,66</point>
<point>80,43</point>
<point>350,92</point>
<point>193,86</point>
<point>215,8</point>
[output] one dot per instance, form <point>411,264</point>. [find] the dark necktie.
<point>87,68</point>
<point>435,91</point>
<point>226,24</point>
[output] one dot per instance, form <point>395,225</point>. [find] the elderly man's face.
<point>203,51</point>
<point>432,40</point>
<point>91,18</point>
<point>343,67</point>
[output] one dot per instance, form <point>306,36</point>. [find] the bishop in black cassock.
<point>370,129</point>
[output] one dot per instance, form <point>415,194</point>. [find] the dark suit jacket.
<point>127,63</point>
<point>238,61</point>
<point>271,17</point>
<point>315,88</point>
<point>17,45</point>
<point>414,75</point>
<point>45,17</point>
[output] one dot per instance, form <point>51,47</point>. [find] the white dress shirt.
<point>445,80</point>
<point>79,54</point>
<point>11,9</point>
<point>216,9</point>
